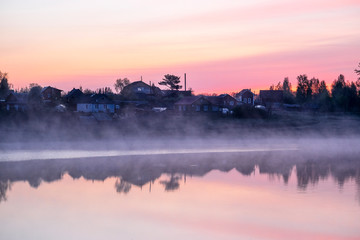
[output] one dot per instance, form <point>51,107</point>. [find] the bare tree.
<point>120,84</point>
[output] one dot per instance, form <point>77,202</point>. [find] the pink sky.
<point>222,45</point>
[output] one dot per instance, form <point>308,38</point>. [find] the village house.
<point>51,94</point>
<point>272,98</point>
<point>223,102</point>
<point>72,98</point>
<point>16,102</point>
<point>140,90</point>
<point>193,104</point>
<point>245,96</point>
<point>95,103</point>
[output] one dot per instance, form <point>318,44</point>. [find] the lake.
<point>261,192</point>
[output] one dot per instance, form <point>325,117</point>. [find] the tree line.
<point>310,93</point>
<point>313,93</point>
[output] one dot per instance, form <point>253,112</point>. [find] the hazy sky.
<point>222,45</point>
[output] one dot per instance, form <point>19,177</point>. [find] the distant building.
<point>193,104</point>
<point>221,102</point>
<point>176,93</point>
<point>95,103</point>
<point>16,102</point>
<point>245,96</point>
<point>140,90</point>
<point>271,98</point>
<point>51,94</point>
<point>73,97</point>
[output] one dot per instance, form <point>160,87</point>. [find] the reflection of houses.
<point>245,96</point>
<point>95,103</point>
<point>16,101</point>
<point>193,104</point>
<point>271,98</point>
<point>141,170</point>
<point>51,94</point>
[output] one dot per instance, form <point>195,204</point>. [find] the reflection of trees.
<point>122,186</point>
<point>4,187</point>
<point>172,184</point>
<point>133,171</point>
<point>310,172</point>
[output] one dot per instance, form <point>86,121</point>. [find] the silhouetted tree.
<point>105,90</point>
<point>357,71</point>
<point>344,94</point>
<point>171,81</point>
<point>88,91</point>
<point>34,98</point>
<point>288,95</point>
<point>315,85</point>
<point>323,97</point>
<point>4,85</point>
<point>338,92</point>
<point>120,84</point>
<point>303,91</point>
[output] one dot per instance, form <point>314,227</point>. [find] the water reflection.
<point>140,170</point>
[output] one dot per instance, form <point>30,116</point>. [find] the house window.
<point>96,106</point>
<point>206,108</point>
<point>179,108</point>
<point>197,108</point>
<point>245,100</point>
<point>184,108</point>
<point>249,100</point>
<point>231,103</point>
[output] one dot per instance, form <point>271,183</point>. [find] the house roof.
<point>17,98</point>
<point>48,87</point>
<point>188,100</point>
<point>74,93</point>
<point>244,91</point>
<point>272,95</point>
<point>215,100</point>
<point>95,98</point>
<point>137,83</point>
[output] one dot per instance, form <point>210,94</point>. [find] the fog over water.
<point>231,182</point>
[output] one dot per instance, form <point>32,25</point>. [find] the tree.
<point>303,90</point>
<point>120,84</point>
<point>34,97</point>
<point>4,85</point>
<point>357,71</point>
<point>105,90</point>
<point>344,94</point>
<point>323,97</point>
<point>171,81</point>
<point>338,92</point>
<point>315,84</point>
<point>288,95</point>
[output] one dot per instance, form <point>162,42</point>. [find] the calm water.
<point>283,194</point>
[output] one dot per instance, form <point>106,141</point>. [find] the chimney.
<point>141,78</point>
<point>185,80</point>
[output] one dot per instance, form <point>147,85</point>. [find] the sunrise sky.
<point>222,45</point>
